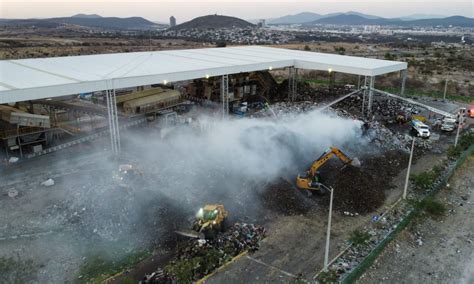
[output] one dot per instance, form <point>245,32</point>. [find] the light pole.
<point>329,83</point>
<point>461,120</point>
<point>445,89</point>
<point>328,234</point>
<point>404,196</point>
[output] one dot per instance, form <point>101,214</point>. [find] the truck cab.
<point>421,129</point>
<point>448,124</point>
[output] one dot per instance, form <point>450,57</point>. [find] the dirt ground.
<point>445,253</point>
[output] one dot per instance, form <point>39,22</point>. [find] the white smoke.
<point>217,156</point>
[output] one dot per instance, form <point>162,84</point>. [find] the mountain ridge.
<point>130,23</point>
<point>459,21</point>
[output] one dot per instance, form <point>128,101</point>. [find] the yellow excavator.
<point>311,180</point>
<point>210,220</point>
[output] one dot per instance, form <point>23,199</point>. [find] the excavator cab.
<point>312,179</point>
<point>210,219</point>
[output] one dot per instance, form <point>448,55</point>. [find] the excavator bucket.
<point>190,234</point>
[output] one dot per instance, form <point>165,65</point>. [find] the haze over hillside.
<point>356,18</point>
<point>359,20</point>
<point>86,16</point>
<point>84,20</point>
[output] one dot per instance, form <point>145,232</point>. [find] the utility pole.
<point>329,82</point>
<point>445,89</point>
<point>328,234</point>
<point>461,120</point>
<point>404,196</point>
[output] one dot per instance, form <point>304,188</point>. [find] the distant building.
<point>172,21</point>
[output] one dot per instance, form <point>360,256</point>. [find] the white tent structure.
<point>32,79</point>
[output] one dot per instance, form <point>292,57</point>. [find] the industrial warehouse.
<point>209,165</point>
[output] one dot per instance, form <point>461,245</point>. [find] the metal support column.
<point>292,83</point>
<point>113,119</point>
<point>117,128</point>
<point>404,78</point>
<point>364,94</point>
<point>225,95</point>
<point>371,96</point>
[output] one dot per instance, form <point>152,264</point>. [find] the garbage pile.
<point>198,257</point>
<point>390,108</point>
<point>421,144</point>
<point>383,108</point>
<point>306,92</point>
<point>384,138</point>
<point>357,192</point>
<point>283,108</point>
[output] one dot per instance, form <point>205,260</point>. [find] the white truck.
<point>448,124</point>
<point>421,129</point>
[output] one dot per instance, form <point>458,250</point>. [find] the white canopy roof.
<point>30,79</point>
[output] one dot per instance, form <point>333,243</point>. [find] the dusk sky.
<point>161,10</point>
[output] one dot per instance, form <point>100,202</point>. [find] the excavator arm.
<point>325,157</point>
<point>306,182</point>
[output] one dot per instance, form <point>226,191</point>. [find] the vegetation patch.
<point>15,270</point>
<point>359,237</point>
<point>424,180</point>
<point>432,207</point>
<point>99,267</point>
<point>329,276</point>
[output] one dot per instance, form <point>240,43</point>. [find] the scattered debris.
<point>12,193</point>
<point>13,160</point>
<point>197,258</point>
<point>48,182</point>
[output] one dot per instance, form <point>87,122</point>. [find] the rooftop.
<point>29,79</point>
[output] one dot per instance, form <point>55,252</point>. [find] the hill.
<point>90,16</point>
<point>421,17</point>
<point>306,17</point>
<point>359,20</point>
<point>296,19</point>
<point>213,22</point>
<point>132,23</point>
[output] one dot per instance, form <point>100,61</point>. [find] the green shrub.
<point>453,152</point>
<point>423,181</point>
<point>359,237</point>
<point>432,207</point>
<point>329,276</point>
<point>437,169</point>
<point>15,270</point>
<point>98,267</point>
<point>466,140</point>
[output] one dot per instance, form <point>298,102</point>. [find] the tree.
<point>339,49</point>
<point>221,44</point>
<point>307,48</point>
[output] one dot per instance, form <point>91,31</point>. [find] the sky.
<point>161,10</point>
